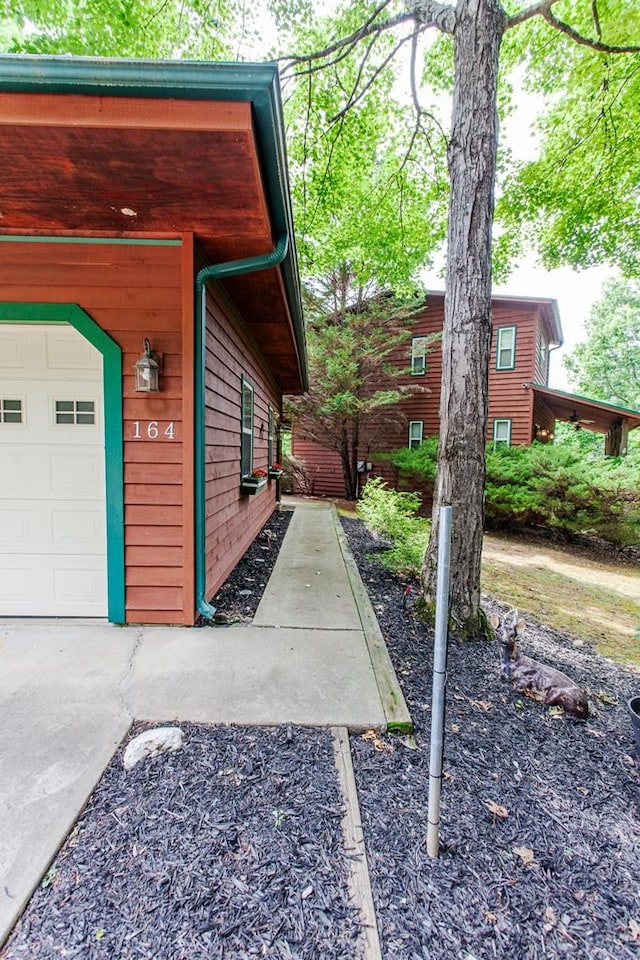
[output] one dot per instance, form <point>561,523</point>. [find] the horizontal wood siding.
<point>131,292</point>
<point>233,519</point>
<point>508,397</point>
<point>320,469</point>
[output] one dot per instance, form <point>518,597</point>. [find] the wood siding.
<point>508,396</point>
<point>232,519</point>
<point>131,292</point>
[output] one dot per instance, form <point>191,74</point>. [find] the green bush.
<point>393,515</point>
<point>562,487</point>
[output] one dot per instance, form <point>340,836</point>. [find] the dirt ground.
<point>566,561</point>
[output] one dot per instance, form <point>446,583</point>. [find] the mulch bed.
<point>238,598</point>
<point>540,836</point>
<point>230,847</point>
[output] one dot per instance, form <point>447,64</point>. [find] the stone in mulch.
<point>237,599</point>
<point>540,831</point>
<point>230,847</point>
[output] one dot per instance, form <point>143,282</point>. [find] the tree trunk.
<point>466,336</point>
<point>345,458</point>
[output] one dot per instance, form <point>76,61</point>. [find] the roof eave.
<point>255,83</point>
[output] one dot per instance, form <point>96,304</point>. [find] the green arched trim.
<point>114,467</point>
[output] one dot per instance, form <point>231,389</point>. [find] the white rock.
<point>150,743</point>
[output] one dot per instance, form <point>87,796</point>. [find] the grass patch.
<point>596,615</point>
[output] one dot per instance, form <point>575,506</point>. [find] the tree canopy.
<point>606,365</point>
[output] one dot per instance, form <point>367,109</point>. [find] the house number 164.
<point>152,430</point>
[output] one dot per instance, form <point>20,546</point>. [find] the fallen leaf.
<point>99,934</point>
<point>372,737</point>
<point>634,929</point>
<point>491,918</point>
<point>550,918</point>
<point>306,892</point>
<point>485,705</point>
<point>496,809</point>
<point>455,727</point>
<point>556,713</point>
<point>409,743</point>
<point>526,855</point>
<point>609,698</point>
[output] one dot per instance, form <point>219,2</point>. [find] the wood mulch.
<point>229,848</point>
<point>540,831</point>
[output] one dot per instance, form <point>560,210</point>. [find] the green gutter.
<point>254,83</point>
<point>231,268</point>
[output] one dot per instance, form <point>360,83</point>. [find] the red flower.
<point>259,472</point>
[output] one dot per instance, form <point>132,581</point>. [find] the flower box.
<point>274,473</point>
<point>252,485</point>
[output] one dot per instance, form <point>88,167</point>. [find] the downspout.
<point>220,271</point>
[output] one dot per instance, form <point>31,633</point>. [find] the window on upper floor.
<point>542,360</point>
<point>418,356</point>
<point>416,428</point>
<point>506,348</point>
<point>246,437</point>
<point>502,432</point>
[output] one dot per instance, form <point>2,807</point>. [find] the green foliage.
<point>127,28</point>
<point>578,201</point>
<point>607,365</point>
<point>558,487</point>
<point>563,486</point>
<point>394,516</point>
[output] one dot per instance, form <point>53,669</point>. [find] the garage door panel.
<point>50,529</point>
<point>66,590</point>
<point>52,474</point>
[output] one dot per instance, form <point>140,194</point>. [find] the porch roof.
<point>141,148</point>
<point>593,415</point>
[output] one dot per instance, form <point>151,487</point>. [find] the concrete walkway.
<point>69,690</point>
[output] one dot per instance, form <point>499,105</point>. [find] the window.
<point>246,440</point>
<point>542,372</point>
<point>75,412</point>
<point>271,437</point>
<point>502,432</point>
<point>10,411</point>
<point>506,348</point>
<point>418,356</point>
<point>415,433</point>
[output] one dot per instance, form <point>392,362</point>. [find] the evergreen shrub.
<point>394,517</point>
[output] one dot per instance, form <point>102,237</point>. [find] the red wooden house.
<point>150,321</point>
<point>522,407</point>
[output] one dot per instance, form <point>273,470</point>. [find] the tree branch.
<point>586,41</point>
<point>541,7</point>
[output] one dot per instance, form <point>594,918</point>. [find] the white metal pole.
<point>439,682</point>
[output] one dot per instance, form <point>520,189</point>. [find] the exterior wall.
<point>233,519</point>
<point>508,399</point>
<point>131,291</point>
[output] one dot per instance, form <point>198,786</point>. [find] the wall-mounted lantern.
<point>147,371</point>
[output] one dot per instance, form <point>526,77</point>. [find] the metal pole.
<point>439,682</point>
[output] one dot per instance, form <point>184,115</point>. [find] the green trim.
<point>499,331</point>
<point>596,403</point>
<point>214,272</point>
<point>122,241</point>
<point>114,466</point>
<point>497,420</point>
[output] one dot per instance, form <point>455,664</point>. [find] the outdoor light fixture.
<point>147,371</point>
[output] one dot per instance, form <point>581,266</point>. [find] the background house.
<point>140,201</point>
<point>522,407</point>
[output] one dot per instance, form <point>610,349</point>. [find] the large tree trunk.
<point>467,325</point>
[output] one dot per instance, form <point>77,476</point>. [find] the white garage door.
<point>52,488</point>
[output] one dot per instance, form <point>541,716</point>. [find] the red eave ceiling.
<point>127,166</point>
<point>132,165</point>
